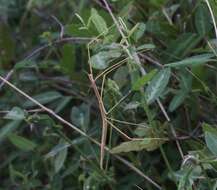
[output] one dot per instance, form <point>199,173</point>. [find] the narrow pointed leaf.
<point>7,129</point>
<point>43,98</point>
<point>211,138</point>
<point>99,22</point>
<point>15,114</point>
<point>148,144</point>
<point>192,61</point>
<point>157,85</point>
<point>181,47</point>
<point>144,80</point>
<point>202,20</point>
<point>21,142</point>
<point>177,100</point>
<point>102,59</point>
<point>60,159</point>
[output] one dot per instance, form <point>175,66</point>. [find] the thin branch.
<point>59,41</point>
<point>126,122</point>
<point>118,102</point>
<point>7,77</point>
<point>103,117</point>
<point>151,60</point>
<point>60,24</point>
<point>138,187</point>
<point>119,131</point>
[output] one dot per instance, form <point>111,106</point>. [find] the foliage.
<point>143,70</point>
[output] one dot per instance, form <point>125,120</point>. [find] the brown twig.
<point>103,117</point>
<point>119,131</point>
<point>59,41</point>
<point>151,60</point>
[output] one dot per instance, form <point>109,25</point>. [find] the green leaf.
<point>186,81</point>
<point>158,3</point>
<point>80,115</point>
<point>14,174</point>
<point>7,129</point>
<point>60,159</point>
<point>211,142</point>
<point>177,100</point>
<point>157,85</point>
<point>186,182</point>
<point>67,63</point>
<point>202,19</point>
<point>139,31</point>
<point>113,87</point>
<point>21,142</point>
<point>56,149</point>
<point>209,128</point>
<point>182,46</point>
<point>63,103</point>
<point>43,98</point>
<point>101,60</point>
<point>144,80</point>
<point>146,47</point>
<point>15,114</point>
<point>192,61</point>
<point>210,138</point>
<point>185,84</point>
<point>120,76</point>
<point>74,30</point>
<point>25,64</point>
<point>148,144</point>
<point>131,105</point>
<point>99,22</point>
<point>7,44</point>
